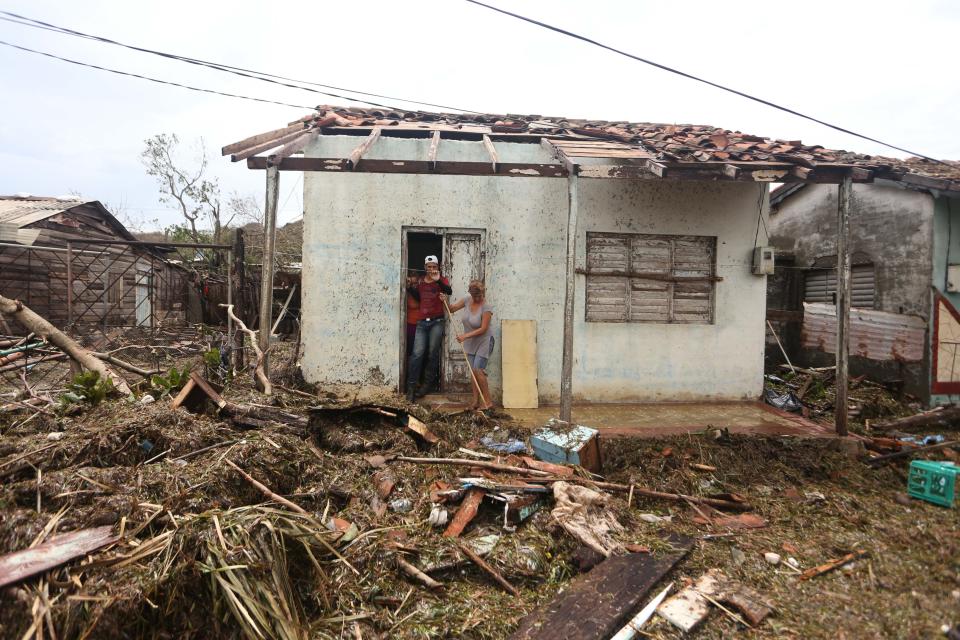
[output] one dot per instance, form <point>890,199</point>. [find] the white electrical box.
<point>953,278</point>
<point>763,261</point>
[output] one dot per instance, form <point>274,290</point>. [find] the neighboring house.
<point>44,245</point>
<point>664,222</point>
<point>905,244</point>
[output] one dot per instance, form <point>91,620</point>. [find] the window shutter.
<point>820,285</point>
<point>607,295</point>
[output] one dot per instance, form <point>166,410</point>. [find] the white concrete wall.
<point>352,297</point>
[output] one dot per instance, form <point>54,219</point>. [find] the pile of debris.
<point>202,507</point>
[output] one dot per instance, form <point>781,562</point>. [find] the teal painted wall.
<point>946,250</point>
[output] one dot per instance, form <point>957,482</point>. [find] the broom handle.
<point>466,359</point>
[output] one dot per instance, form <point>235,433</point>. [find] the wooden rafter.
<point>266,146</point>
<point>362,148</point>
<point>260,138</point>
<point>434,147</point>
<point>492,151</point>
<point>294,146</point>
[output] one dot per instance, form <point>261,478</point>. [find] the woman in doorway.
<point>477,339</point>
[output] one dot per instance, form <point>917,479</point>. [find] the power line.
<point>158,81</point>
<point>240,71</point>
<point>697,79</point>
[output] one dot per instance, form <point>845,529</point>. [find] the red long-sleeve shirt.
<point>428,293</point>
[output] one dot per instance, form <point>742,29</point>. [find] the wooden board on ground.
<point>596,605</point>
<point>59,549</point>
<point>689,608</point>
<point>519,364</point>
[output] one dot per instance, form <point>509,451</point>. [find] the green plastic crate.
<point>934,482</point>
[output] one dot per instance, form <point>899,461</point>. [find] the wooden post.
<point>266,271</point>
<point>843,304</point>
<point>240,295</point>
<point>229,295</point>
<point>566,376</point>
<point>69,285</point>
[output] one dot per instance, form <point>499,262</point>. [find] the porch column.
<point>566,376</point>
<point>266,270</point>
<point>843,304</point>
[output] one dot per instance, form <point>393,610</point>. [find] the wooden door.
<point>463,258</point>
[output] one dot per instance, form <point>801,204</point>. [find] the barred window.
<point>635,277</point>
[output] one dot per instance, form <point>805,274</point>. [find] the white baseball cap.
<point>431,260</point>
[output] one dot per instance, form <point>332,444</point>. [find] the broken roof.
<point>22,211</point>
<point>659,146</point>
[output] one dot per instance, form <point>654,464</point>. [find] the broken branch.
<point>258,369</point>
<point>480,562</point>
<point>418,575</point>
<point>265,490</point>
<point>831,565</point>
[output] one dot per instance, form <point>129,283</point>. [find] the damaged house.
<point>905,254</point>
<point>75,264</point>
<point>636,250</point>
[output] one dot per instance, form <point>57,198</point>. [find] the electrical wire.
<point>699,79</point>
<point>158,81</point>
<point>240,71</point>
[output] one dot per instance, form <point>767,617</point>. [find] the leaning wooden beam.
<point>38,325</point>
<point>271,206</point>
<point>294,146</point>
<point>259,370</point>
<point>252,151</point>
<point>58,550</point>
<point>492,151</point>
<point>362,148</point>
<point>260,138</point>
<point>843,305</point>
<point>434,147</point>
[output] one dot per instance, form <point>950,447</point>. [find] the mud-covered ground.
<point>199,558</point>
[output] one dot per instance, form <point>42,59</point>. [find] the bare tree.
<point>195,195</point>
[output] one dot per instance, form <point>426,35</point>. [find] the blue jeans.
<point>426,346</point>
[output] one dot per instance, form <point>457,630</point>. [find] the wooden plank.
<point>467,512</point>
<point>519,364</point>
<point>59,550</point>
<point>843,305</point>
<point>363,148</point>
<point>687,609</point>
<point>270,144</point>
<point>597,604</point>
<point>294,146</point>
<point>443,167</point>
<point>566,369</point>
<point>434,147</point>
<point>492,152</point>
<point>260,138</point>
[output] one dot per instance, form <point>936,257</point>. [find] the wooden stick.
<point>415,573</point>
<point>283,311</point>
<point>466,359</point>
<point>480,562</point>
<point>782,350</point>
<point>909,452</point>
<point>258,369</point>
<point>831,565</point>
<point>483,464</point>
<point>126,365</point>
<point>650,493</point>
<point>265,490</point>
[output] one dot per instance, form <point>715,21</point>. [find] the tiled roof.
<point>666,142</point>
<point>678,145</point>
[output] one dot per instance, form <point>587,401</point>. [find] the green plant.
<point>212,358</point>
<point>87,387</point>
<point>169,383</point>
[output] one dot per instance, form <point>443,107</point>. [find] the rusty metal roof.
<point>672,144</point>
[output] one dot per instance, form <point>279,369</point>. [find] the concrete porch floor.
<point>661,419</point>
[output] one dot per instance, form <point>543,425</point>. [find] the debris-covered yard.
<point>356,543</point>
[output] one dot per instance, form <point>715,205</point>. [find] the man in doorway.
<point>429,335</point>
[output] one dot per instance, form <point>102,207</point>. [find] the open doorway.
<point>461,253</point>
<point>418,245</point>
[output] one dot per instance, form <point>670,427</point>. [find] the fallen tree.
<point>41,327</point>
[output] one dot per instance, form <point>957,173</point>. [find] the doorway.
<point>462,254</point>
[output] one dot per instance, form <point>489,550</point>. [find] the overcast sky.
<point>881,68</point>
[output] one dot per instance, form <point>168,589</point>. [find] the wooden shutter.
<point>650,278</point>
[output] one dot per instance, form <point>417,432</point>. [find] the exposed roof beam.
<point>494,159</point>
<point>266,146</point>
<point>434,147</point>
<point>443,167</point>
<point>295,145</point>
<point>362,148</point>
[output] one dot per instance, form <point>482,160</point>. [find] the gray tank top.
<point>472,321</point>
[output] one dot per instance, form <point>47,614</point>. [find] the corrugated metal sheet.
<point>876,335</point>
<point>24,211</point>
<point>820,285</point>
